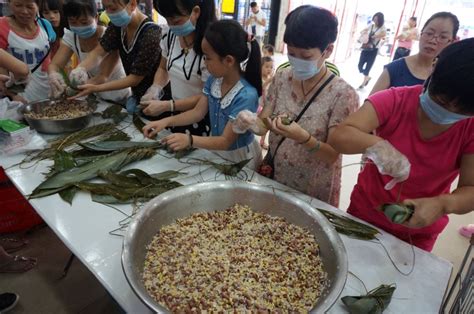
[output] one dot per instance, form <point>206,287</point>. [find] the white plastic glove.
<point>78,76</point>
<point>9,109</point>
<point>154,92</point>
<point>57,84</point>
<point>7,81</point>
<point>245,120</point>
<point>389,161</point>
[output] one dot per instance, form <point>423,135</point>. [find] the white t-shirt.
<point>187,72</point>
<point>259,28</point>
<point>374,30</point>
<point>72,42</point>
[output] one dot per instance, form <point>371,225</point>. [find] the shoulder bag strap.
<point>320,89</point>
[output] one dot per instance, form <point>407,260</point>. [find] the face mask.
<point>303,69</point>
<point>120,19</point>
<point>437,113</point>
<point>85,31</point>
<point>183,30</point>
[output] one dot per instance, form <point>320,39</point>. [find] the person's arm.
<point>460,201</point>
<point>379,35</point>
<point>383,82</point>
<point>188,117</point>
<point>130,80</point>
<point>157,107</point>
<point>107,67</point>
<point>262,21</point>
<point>60,59</point>
<point>353,136</point>
<point>11,64</point>
<point>94,58</point>
<point>161,75</point>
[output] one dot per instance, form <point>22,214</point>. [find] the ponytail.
<point>228,38</point>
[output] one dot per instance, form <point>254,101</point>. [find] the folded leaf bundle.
<point>374,302</point>
<point>398,213</point>
<point>114,161</point>
<point>110,146</point>
<point>349,227</point>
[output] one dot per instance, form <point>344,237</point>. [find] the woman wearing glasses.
<point>437,33</point>
<point>424,139</point>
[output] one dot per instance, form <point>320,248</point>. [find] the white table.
<point>84,228</point>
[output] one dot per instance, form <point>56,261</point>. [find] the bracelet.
<point>190,140</point>
<point>172,105</point>
<point>315,148</point>
<point>307,140</point>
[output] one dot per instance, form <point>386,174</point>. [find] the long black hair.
<point>444,15</point>
<point>453,75</point>
<point>228,38</point>
<point>55,5</point>
<point>173,8</point>
<point>310,27</point>
<point>380,19</point>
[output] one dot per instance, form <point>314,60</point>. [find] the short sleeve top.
<point>400,74</point>
<point>242,96</point>
<point>140,57</point>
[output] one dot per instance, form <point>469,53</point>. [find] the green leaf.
<point>68,194</point>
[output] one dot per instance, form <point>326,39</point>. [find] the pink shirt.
<point>434,163</point>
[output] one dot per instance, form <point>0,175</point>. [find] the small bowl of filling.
<point>233,246</point>
<point>58,116</point>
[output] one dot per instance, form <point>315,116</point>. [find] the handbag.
<point>267,168</point>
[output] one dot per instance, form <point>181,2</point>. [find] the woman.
<point>137,40</point>
<point>438,32</point>
<point>406,38</point>
<point>375,33</point>
<point>182,63</point>
<point>304,161</point>
<point>83,37</point>
<point>28,39</point>
<point>424,140</point>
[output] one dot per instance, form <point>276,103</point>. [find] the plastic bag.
<point>9,109</point>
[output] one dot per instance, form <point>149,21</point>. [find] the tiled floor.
<point>42,290</point>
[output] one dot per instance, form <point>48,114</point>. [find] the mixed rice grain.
<point>234,259</point>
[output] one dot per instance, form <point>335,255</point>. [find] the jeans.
<point>366,60</point>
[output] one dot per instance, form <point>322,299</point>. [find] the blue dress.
<point>242,96</point>
<point>400,75</point>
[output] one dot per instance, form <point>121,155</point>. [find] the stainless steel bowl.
<point>52,126</point>
<point>218,195</point>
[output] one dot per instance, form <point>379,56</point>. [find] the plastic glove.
<point>154,92</point>
<point>78,76</point>
<point>389,161</point>
<point>245,120</point>
<point>57,84</point>
<point>9,109</point>
<point>14,81</point>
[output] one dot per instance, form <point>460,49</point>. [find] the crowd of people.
<point>214,86</point>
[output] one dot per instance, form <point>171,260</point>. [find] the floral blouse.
<point>294,165</point>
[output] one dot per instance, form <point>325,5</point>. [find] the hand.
<point>427,211</point>
<point>151,129</point>
<point>244,121</point>
<point>177,141</point>
<point>57,85</point>
<point>154,107</point>
<point>292,131</point>
<point>389,161</point>
<point>78,76</point>
<point>3,80</point>
<point>85,90</point>
<point>154,92</point>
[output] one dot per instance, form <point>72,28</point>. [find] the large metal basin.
<point>219,195</point>
<point>52,126</point>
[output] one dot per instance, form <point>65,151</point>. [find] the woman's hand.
<point>57,85</point>
<point>85,90</point>
<point>427,211</point>
<point>292,131</point>
<point>177,141</point>
<point>151,129</point>
<point>78,76</point>
<point>155,107</point>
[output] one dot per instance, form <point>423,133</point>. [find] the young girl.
<point>137,40</point>
<point>228,91</point>
<point>52,10</point>
<point>182,63</point>
<point>267,75</point>
<point>27,38</point>
<point>83,37</point>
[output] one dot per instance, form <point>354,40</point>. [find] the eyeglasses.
<point>442,39</point>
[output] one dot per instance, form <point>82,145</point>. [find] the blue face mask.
<point>437,113</point>
<point>84,31</point>
<point>303,69</point>
<point>184,29</point>
<point>120,19</point>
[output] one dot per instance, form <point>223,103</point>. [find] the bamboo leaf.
<point>374,302</point>
<point>109,146</point>
<point>350,227</point>
<point>68,194</point>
